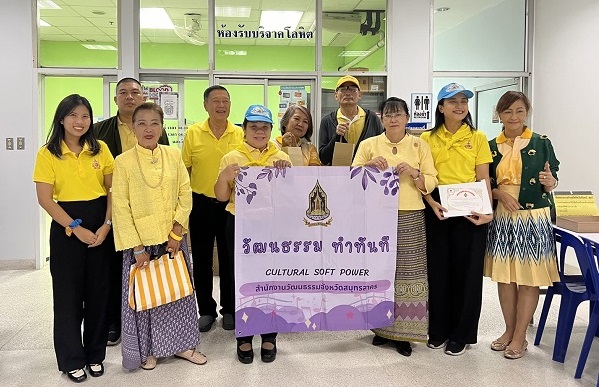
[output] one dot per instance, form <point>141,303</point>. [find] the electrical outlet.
<point>10,143</point>
<point>20,143</point>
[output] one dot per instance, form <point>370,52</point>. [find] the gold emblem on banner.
<point>318,211</point>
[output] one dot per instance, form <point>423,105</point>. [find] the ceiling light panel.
<point>233,12</point>
<point>47,4</point>
<point>278,20</point>
<point>155,18</point>
<point>104,47</point>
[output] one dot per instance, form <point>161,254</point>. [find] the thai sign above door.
<point>239,31</point>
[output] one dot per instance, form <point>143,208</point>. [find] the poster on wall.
<point>169,102</point>
<point>291,96</point>
<point>152,93</point>
<point>422,107</point>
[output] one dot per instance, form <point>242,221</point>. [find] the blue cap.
<point>258,113</point>
<point>452,89</point>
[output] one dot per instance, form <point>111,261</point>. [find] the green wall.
<point>186,56</point>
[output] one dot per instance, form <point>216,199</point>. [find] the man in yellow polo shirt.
<point>204,145</point>
<point>350,123</point>
<point>117,133</point>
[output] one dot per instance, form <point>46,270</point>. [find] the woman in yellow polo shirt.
<point>411,160</point>
<point>296,129</point>
<point>151,206</point>
<point>256,150</point>
<point>455,246</point>
<point>73,175</point>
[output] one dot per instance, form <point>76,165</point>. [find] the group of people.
<point>122,173</point>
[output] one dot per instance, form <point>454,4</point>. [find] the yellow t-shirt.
<point>74,178</point>
<point>128,139</point>
<point>355,127</point>
<point>202,152</point>
<point>238,157</point>
<point>411,150</point>
<point>457,154</point>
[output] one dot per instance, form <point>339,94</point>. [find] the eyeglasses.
<point>343,89</point>
<point>395,116</point>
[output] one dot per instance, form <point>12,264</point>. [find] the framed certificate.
<point>462,199</point>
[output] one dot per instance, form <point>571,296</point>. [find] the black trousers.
<point>115,265</point>
<point>455,254</point>
<point>80,278</point>
<point>230,232</point>
<point>208,221</point>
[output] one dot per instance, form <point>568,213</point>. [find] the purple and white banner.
<point>315,249</point>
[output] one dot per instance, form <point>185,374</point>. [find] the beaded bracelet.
<point>139,252</point>
<point>175,236</point>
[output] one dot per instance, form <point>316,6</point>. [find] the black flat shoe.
<point>246,357</point>
<point>378,340</point>
<point>96,370</point>
<point>268,355</point>
<point>77,375</point>
<point>404,348</point>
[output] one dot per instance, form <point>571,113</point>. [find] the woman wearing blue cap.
<point>256,150</point>
<point>455,246</point>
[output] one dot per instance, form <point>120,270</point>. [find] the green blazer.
<point>534,155</point>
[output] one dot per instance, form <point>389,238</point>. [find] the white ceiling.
<point>80,21</point>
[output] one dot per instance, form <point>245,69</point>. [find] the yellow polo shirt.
<point>236,156</point>
<point>355,127</point>
<point>128,139</point>
<point>74,178</point>
<point>457,154</point>
<point>202,152</point>
<point>411,150</point>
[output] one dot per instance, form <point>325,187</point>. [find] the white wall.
<point>408,48</point>
<point>491,40</point>
<point>566,87</point>
<point>19,214</point>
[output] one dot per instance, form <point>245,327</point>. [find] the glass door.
<point>487,96</point>
<point>276,94</point>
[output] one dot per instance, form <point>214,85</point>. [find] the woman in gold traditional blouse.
<point>412,161</point>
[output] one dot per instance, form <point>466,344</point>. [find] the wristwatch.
<point>108,222</point>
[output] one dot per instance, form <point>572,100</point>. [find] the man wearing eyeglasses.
<point>348,124</point>
<point>117,133</point>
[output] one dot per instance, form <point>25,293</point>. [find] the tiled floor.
<point>316,359</point>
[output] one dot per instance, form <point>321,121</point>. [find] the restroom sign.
<point>422,107</point>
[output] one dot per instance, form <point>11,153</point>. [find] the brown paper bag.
<point>295,154</point>
<point>343,154</point>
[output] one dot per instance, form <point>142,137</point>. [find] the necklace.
<point>153,161</point>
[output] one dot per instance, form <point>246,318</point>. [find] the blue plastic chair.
<point>573,290</point>
<point>590,272</point>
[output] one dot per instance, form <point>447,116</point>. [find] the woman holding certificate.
<point>410,158</point>
<point>455,245</point>
<point>520,254</point>
<point>151,206</point>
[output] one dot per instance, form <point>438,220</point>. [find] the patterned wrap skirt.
<point>162,331</point>
<point>521,246</point>
<point>411,281</point>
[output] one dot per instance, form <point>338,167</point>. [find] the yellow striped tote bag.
<point>164,280</point>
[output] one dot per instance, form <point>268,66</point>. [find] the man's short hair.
<point>211,89</point>
<point>126,80</point>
